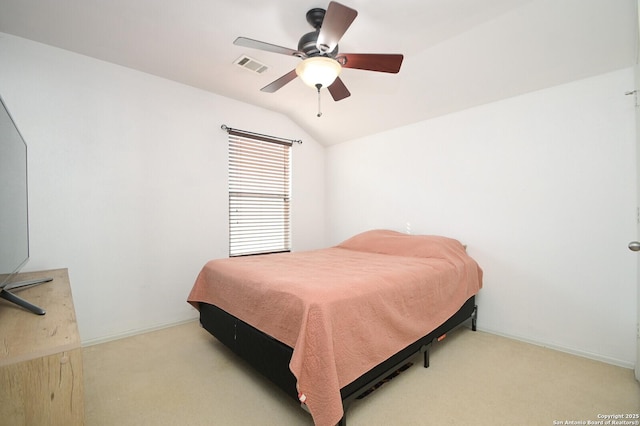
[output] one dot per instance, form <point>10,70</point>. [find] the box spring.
<point>271,357</point>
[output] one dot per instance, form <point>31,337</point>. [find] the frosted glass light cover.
<point>318,70</point>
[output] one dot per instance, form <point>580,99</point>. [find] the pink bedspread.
<point>343,309</point>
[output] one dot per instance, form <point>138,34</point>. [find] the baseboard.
<point>572,351</point>
<point>135,332</point>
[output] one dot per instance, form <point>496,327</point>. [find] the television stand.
<point>41,377</point>
<point>7,295</point>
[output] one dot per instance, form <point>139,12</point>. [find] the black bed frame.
<point>271,357</point>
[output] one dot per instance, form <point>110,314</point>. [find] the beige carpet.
<point>183,376</point>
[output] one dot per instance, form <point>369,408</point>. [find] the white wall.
<point>128,191</point>
<point>128,182</point>
<point>542,189</point>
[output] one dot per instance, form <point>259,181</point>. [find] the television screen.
<point>14,222</point>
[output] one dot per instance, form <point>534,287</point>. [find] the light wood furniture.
<point>41,381</point>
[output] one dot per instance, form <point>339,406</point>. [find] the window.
<point>259,194</point>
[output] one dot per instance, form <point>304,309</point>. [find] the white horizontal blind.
<point>259,196</point>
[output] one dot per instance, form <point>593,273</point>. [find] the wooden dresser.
<point>41,380</point>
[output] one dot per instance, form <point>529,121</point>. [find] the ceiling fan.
<point>322,62</point>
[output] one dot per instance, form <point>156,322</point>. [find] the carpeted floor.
<point>183,376</point>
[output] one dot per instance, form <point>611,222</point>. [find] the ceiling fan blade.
<point>261,45</point>
<point>338,90</point>
<point>336,21</point>
<point>272,87</point>
<point>372,61</point>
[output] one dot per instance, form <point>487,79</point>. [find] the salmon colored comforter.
<point>343,309</point>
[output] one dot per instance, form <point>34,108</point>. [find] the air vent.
<point>250,64</point>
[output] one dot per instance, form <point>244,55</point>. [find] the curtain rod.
<point>259,136</point>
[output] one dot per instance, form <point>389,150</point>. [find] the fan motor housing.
<point>307,45</point>
<point>308,42</point>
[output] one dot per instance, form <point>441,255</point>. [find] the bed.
<point>325,325</point>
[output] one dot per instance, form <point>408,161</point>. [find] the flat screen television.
<point>14,211</point>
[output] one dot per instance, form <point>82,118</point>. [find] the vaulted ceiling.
<point>457,53</point>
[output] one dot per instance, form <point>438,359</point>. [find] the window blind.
<point>259,195</point>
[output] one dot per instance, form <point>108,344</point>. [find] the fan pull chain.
<point>318,86</point>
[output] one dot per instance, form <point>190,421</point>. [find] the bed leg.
<point>425,350</point>
<point>474,317</point>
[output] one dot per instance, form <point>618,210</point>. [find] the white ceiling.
<point>458,53</point>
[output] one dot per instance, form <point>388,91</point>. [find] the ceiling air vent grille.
<point>250,64</point>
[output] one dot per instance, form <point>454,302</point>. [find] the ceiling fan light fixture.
<point>318,70</point>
